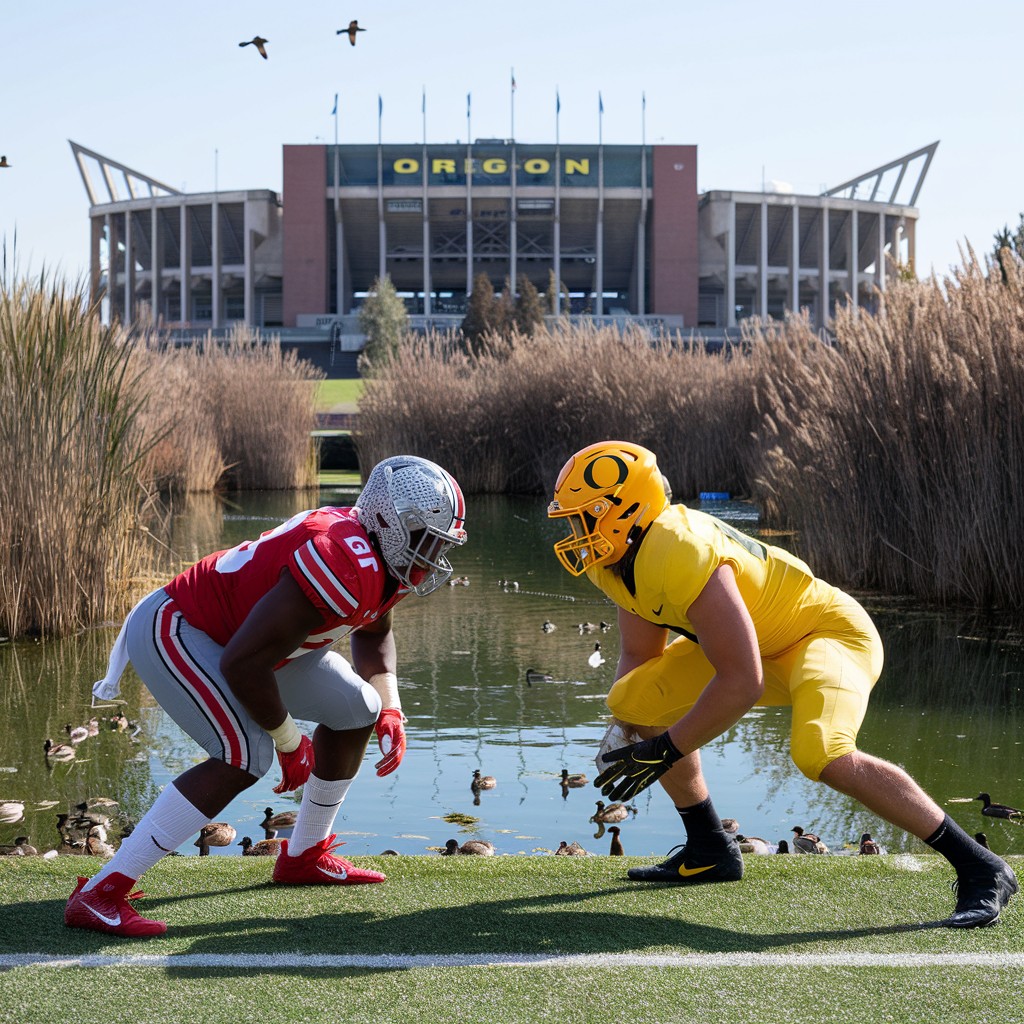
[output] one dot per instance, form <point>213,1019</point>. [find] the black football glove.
<point>635,767</point>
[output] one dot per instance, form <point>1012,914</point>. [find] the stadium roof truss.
<point>119,182</point>
<point>883,184</point>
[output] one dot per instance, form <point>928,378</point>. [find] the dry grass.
<point>238,414</point>
<point>897,454</point>
<point>507,419</point>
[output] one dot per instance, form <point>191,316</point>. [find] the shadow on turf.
<point>547,924</point>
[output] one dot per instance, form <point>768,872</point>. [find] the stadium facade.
<point>623,231</point>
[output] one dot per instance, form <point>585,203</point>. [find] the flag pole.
<point>382,265</point>
<point>427,276</point>
<point>469,197</point>
<point>555,302</point>
<point>339,299</point>
<point>599,254</point>
<point>641,247</point>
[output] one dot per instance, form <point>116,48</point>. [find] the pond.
<point>948,708</point>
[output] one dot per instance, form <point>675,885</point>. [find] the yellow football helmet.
<point>609,492</point>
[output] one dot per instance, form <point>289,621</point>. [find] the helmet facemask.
<point>584,547</point>
<point>609,493</point>
<point>416,511</point>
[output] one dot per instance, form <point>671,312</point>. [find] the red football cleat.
<point>318,866</point>
<point>105,908</point>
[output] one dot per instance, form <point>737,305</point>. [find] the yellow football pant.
<point>827,677</point>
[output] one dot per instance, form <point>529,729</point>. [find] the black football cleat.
<point>694,867</point>
<point>980,896</point>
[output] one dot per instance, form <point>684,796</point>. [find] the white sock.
<point>320,802</point>
<point>163,828</point>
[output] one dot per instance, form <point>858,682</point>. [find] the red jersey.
<point>327,552</point>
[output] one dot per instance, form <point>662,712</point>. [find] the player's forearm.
<point>258,693</point>
<point>722,704</point>
<point>374,653</point>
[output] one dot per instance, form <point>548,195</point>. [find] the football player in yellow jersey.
<point>755,627</point>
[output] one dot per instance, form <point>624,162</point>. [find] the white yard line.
<point>275,961</point>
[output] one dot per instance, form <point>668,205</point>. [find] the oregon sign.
<point>489,165</point>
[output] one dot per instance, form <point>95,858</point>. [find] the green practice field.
<point>510,939</point>
<point>339,394</point>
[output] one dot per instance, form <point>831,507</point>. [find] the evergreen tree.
<point>552,293</point>
<point>482,316</point>
<point>385,322</point>
<point>556,290</point>
<point>1012,240</point>
<point>505,311</point>
<point>529,310</point>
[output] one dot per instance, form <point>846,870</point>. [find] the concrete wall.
<point>306,267</point>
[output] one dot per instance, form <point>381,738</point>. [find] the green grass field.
<point>339,394</point>
<point>801,939</point>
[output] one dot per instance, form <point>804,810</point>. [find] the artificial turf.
<point>434,906</point>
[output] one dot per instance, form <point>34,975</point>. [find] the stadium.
<point>611,232</point>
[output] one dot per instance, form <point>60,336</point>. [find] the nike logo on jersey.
<point>688,872</point>
<point>113,922</point>
<point>657,611</point>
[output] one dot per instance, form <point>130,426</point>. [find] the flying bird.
<point>258,42</point>
<point>353,28</point>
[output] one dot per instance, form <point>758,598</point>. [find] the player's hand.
<point>635,767</point>
<point>296,766</point>
<point>391,736</point>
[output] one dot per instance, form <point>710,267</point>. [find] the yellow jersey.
<point>678,555</point>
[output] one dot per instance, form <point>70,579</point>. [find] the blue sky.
<point>806,93</point>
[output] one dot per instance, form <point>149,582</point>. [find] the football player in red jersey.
<point>235,646</point>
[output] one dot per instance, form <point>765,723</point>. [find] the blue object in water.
<point>714,496</point>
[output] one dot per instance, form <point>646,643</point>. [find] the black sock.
<point>702,824</point>
<point>958,847</point>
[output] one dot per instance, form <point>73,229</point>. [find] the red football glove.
<point>296,765</point>
<point>391,736</point>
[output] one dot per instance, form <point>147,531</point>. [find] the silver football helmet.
<point>416,512</point>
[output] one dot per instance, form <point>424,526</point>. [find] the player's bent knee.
<point>813,758</point>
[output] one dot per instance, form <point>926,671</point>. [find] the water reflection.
<point>947,707</point>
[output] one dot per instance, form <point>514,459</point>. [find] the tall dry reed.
<point>898,453</point>
<point>507,419</point>
<point>238,414</point>
<point>72,498</point>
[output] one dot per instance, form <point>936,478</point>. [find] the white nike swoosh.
<point>343,874</point>
<point>112,921</point>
